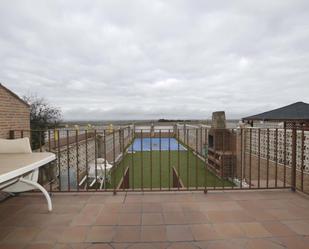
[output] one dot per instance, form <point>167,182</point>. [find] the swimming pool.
<point>147,144</point>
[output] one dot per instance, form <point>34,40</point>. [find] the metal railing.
<point>177,158</point>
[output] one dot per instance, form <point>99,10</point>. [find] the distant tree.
<point>43,116</point>
<point>170,120</point>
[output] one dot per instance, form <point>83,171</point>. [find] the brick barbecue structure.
<point>221,147</point>
<point>14,112</point>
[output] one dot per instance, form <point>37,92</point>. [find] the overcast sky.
<point>156,59</point>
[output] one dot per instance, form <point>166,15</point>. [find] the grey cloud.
<point>143,59</point>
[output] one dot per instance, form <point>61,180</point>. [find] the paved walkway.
<point>261,219</point>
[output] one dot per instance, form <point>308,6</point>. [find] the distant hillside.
<point>163,121</point>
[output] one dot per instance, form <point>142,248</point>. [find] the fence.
<point>175,158</point>
<point>277,157</point>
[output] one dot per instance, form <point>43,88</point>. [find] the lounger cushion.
<point>20,145</point>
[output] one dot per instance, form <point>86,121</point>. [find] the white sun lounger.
<point>19,167</point>
<point>97,174</point>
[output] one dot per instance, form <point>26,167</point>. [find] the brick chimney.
<point>218,120</point>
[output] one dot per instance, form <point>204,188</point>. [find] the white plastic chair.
<point>97,174</point>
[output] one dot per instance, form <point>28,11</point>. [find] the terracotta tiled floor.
<point>245,220</point>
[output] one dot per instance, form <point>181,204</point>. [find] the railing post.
<point>293,168</point>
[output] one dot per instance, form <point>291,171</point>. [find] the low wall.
<point>154,134</point>
<point>275,171</point>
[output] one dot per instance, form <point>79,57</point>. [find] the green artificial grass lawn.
<point>190,168</point>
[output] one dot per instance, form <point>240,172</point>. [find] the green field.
<point>154,164</point>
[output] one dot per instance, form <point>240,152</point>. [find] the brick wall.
<point>14,114</point>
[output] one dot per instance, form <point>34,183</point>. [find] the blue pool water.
<point>144,143</point>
